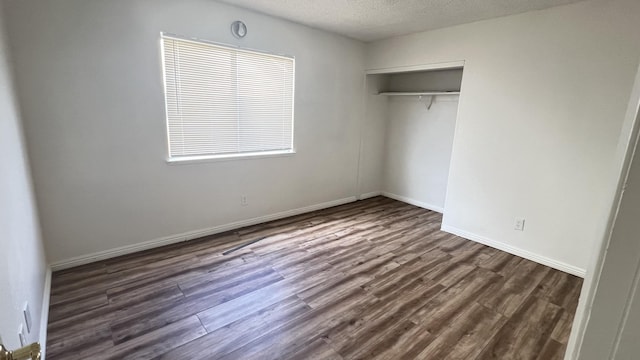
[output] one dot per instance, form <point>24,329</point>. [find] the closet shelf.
<point>418,93</point>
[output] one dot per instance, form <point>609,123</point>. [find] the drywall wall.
<point>614,321</point>
<point>22,262</point>
<point>418,138</point>
<point>374,128</point>
<point>89,74</point>
<point>607,315</point>
<point>542,104</point>
<point>628,347</point>
<point>418,149</point>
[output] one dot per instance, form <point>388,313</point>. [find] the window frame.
<point>178,160</point>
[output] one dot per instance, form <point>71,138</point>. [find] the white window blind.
<point>224,101</point>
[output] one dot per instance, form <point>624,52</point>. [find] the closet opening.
<point>415,112</point>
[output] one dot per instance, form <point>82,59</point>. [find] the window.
<point>226,102</point>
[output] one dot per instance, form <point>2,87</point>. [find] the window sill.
<point>184,160</point>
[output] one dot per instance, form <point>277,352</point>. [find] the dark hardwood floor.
<point>375,279</point>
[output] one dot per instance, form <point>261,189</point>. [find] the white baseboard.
<point>44,313</point>
<point>411,201</point>
<point>190,235</point>
<point>369,195</point>
<point>573,270</point>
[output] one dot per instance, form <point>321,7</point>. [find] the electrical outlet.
<point>519,224</point>
<point>27,317</point>
<point>243,200</point>
<point>22,336</point>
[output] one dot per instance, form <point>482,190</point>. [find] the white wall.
<point>542,103</point>
<point>89,74</point>
<point>418,149</point>
<point>22,262</point>
<point>418,140</point>
<point>629,348</point>
<point>607,321</point>
<point>374,129</point>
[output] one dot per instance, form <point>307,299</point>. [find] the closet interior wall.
<point>418,133</point>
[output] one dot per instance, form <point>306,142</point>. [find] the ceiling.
<point>370,20</point>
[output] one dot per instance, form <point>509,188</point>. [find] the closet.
<point>415,115</point>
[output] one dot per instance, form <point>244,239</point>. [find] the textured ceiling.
<point>369,20</point>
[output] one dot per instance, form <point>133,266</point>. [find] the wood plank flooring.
<point>374,279</point>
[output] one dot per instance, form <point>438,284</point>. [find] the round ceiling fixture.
<point>238,29</point>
